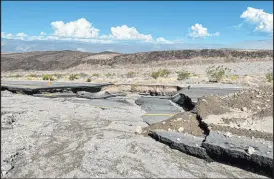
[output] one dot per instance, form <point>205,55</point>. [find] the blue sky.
<point>171,21</point>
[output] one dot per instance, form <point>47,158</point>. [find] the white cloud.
<point>127,33</point>
<point>162,40</point>
<point>43,33</point>
<point>199,31</point>
<point>79,29</point>
<point>21,35</point>
<point>8,36</point>
<point>262,20</point>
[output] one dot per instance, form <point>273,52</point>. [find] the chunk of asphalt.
<point>154,119</point>
<point>184,101</point>
<point>150,104</point>
<point>186,143</point>
<point>234,150</point>
<point>99,95</point>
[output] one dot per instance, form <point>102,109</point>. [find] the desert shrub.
<point>89,80</point>
<point>160,73</point>
<point>47,77</point>
<point>73,77</point>
<point>182,75</point>
<point>216,73</point>
<point>234,77</point>
<point>164,72</point>
<point>95,75</point>
<point>269,77</point>
<point>155,74</point>
<point>131,74</point>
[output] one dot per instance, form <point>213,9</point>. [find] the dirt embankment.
<point>61,60</point>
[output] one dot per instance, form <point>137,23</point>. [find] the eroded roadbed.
<point>89,134</point>
<point>215,130</point>
<point>59,138</point>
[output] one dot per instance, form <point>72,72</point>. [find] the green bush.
<point>269,77</point>
<point>89,80</point>
<point>47,77</point>
<point>183,75</point>
<point>160,73</point>
<point>73,77</point>
<point>164,72</point>
<point>155,74</point>
<point>131,74</point>
<point>216,74</point>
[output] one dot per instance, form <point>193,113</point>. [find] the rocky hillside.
<point>60,60</point>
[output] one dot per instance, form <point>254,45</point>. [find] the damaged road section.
<point>235,129</point>
<point>31,88</point>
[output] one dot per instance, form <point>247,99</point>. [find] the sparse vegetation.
<point>183,75</point>
<point>234,77</point>
<point>155,74</point>
<point>89,80</point>
<point>73,77</point>
<point>47,77</point>
<point>109,74</point>
<point>269,77</point>
<point>216,74</point>
<point>33,76</point>
<point>95,75</point>
<point>160,73</point>
<point>58,76</point>
<point>131,74</point>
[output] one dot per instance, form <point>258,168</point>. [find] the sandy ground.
<point>249,110</point>
<point>56,138</point>
<point>248,73</point>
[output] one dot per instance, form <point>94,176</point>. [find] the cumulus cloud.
<point>21,35</point>
<point>198,31</point>
<point>127,33</point>
<point>80,28</point>
<point>262,21</point>
<point>4,35</point>
<point>83,31</point>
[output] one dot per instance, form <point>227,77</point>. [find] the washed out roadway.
<point>61,138</point>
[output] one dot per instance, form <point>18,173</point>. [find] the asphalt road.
<point>41,84</point>
<point>156,109</point>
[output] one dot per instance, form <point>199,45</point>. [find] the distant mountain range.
<point>14,45</point>
<point>66,59</point>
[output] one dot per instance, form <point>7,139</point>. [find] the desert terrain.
<point>179,114</point>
